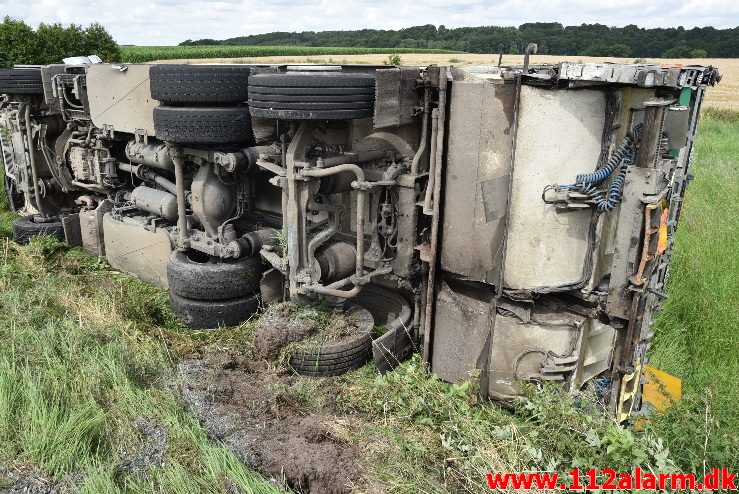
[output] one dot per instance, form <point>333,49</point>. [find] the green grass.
<point>425,435</point>
<point>697,333</point>
<point>140,54</point>
<point>88,354</point>
<point>86,357</point>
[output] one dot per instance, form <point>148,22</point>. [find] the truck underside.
<point>509,223</point>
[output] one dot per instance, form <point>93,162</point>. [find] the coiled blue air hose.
<point>606,170</point>
<point>622,158</point>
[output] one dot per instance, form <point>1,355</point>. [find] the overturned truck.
<point>512,220</point>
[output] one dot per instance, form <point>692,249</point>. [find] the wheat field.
<point>723,96</point>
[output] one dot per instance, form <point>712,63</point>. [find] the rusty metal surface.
<point>476,181</point>
<point>640,182</point>
<point>463,324</point>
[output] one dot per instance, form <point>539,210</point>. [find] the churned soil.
<point>242,403</point>
<point>280,327</point>
<point>278,423</point>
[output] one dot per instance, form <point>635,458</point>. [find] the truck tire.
<point>312,95</point>
<point>322,369</point>
<point>186,83</point>
<point>339,357</point>
<point>196,125</point>
<point>21,81</point>
<point>210,314</point>
<point>195,275</point>
<point>27,227</point>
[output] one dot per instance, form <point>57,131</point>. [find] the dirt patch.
<point>288,330</point>
<point>282,325</point>
<point>35,483</point>
<point>152,451</point>
<point>268,420</point>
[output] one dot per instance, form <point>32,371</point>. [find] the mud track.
<point>238,400</point>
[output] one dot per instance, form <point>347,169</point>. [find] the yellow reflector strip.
<point>662,239</point>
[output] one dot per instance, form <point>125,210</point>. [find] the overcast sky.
<point>164,22</point>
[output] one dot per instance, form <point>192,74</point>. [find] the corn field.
<point>140,54</point>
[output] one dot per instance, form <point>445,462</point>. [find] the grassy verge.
<point>425,435</point>
<point>140,54</point>
<point>697,333</point>
<point>86,392</point>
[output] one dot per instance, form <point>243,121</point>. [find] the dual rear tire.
<point>201,104</point>
<point>205,292</point>
<point>207,104</point>
<point>312,95</point>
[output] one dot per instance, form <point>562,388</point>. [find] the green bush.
<point>394,59</point>
<point>682,50</point>
<point>50,43</point>
<point>17,42</point>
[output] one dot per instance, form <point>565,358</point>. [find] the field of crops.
<point>139,54</point>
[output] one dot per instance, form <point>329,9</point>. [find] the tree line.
<point>552,37</point>
<point>50,43</point>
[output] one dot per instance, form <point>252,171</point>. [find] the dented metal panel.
<point>476,181</point>
<point>464,318</point>
<point>519,350</point>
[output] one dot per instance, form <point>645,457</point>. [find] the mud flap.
<point>91,228</point>
<point>392,348</point>
<point>272,287</point>
<point>72,234</point>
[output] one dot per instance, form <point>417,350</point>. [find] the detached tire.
<point>204,125</point>
<point>195,275</point>
<point>210,314</point>
<point>26,227</point>
<point>333,359</point>
<point>181,83</point>
<point>21,81</point>
<point>321,370</point>
<point>312,95</point>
